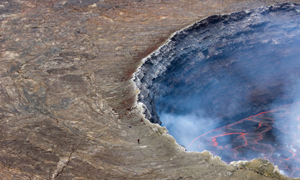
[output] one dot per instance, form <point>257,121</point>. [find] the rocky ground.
<point>67,100</point>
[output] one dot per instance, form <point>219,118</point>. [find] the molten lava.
<point>255,137</point>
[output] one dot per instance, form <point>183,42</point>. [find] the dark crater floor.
<point>230,84</point>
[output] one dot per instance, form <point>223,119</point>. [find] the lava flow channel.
<point>272,135</point>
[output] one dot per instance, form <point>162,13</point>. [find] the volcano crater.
<point>223,70</point>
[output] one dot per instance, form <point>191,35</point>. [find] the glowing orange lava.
<point>272,135</point>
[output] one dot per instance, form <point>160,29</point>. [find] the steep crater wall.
<point>223,69</point>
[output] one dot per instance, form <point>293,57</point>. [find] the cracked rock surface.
<point>68,105</point>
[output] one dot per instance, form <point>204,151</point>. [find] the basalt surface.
<point>68,105</point>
